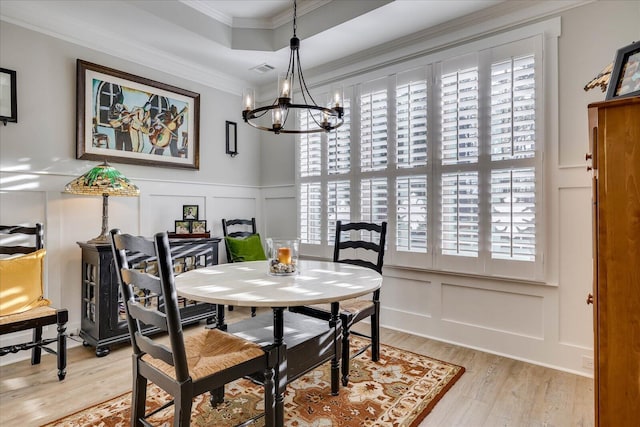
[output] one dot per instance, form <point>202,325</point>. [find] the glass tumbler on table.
<point>283,256</point>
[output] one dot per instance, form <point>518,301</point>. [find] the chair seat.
<point>34,313</point>
<point>350,307</point>
<point>209,352</point>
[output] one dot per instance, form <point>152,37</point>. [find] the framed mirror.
<point>8,102</point>
<point>232,139</point>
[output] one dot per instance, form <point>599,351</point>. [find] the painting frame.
<point>199,227</point>
<point>9,98</point>
<point>124,118</point>
<point>190,212</point>
<point>625,77</point>
<point>182,227</point>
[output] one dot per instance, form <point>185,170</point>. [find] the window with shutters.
<point>448,153</point>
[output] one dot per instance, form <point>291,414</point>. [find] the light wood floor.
<point>494,390</point>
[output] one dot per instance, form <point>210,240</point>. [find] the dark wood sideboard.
<point>103,320</point>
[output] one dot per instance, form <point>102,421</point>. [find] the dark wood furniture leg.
<point>36,351</point>
<point>220,317</point>
<point>62,318</point>
<point>334,322</point>
<point>281,374</point>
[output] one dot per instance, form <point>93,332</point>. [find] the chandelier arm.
<point>303,83</point>
<point>283,101</point>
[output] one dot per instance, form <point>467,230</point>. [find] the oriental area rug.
<point>398,390</point>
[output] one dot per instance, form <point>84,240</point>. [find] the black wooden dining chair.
<point>348,251</point>
<point>24,306</point>
<point>242,250</point>
<point>188,366</point>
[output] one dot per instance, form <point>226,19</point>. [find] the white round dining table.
<point>249,284</point>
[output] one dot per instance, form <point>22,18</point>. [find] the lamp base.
<point>102,239</point>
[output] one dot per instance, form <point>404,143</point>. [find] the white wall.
<point>37,158</point>
<point>547,324</point>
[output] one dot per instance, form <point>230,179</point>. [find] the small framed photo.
<point>625,77</point>
<point>183,227</point>
<point>189,212</point>
<point>198,227</point>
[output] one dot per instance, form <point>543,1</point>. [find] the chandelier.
<point>316,118</point>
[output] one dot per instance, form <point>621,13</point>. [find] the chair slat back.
<point>377,247</point>
<point>150,300</point>
<point>17,239</point>
<point>237,228</point>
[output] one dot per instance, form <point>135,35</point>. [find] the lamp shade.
<point>103,179</point>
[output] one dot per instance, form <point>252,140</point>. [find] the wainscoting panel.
<point>280,217</point>
<point>234,207</point>
<point>495,310</point>
<point>576,277</point>
<point>408,295</point>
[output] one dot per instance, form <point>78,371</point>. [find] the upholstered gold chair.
<point>188,366</point>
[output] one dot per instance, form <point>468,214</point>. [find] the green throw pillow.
<point>245,249</point>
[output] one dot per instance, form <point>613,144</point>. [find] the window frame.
<point>540,35</point>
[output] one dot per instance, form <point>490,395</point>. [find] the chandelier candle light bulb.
<point>248,96</point>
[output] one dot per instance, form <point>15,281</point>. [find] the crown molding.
<point>107,43</point>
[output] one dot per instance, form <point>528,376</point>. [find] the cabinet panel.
<point>616,163</point>
<point>103,321</point>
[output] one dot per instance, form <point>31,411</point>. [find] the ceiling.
<point>221,41</point>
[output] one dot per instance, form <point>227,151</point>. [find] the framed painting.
<point>625,77</point>
<point>183,227</point>
<point>8,96</point>
<point>199,227</point>
<point>189,212</point>
<point>129,119</point>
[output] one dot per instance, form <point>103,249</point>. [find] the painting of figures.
<point>129,119</point>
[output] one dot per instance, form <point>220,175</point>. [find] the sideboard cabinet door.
<point>103,320</point>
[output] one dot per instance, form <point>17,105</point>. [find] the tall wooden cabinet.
<point>614,128</point>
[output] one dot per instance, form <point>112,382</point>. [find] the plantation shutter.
<point>411,119</point>
<point>338,206</point>
<point>310,148</point>
<point>310,213</point>
<point>339,145</point>
<point>373,200</point>
<point>513,137</point>
<point>411,214</point>
<point>459,115</point>
<point>513,214</point>
<point>373,126</point>
<point>460,214</point>
<point>513,108</point>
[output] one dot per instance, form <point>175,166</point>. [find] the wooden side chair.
<point>188,366</point>
<point>22,303</point>
<point>242,243</point>
<point>354,310</point>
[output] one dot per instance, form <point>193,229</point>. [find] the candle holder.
<point>283,256</point>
